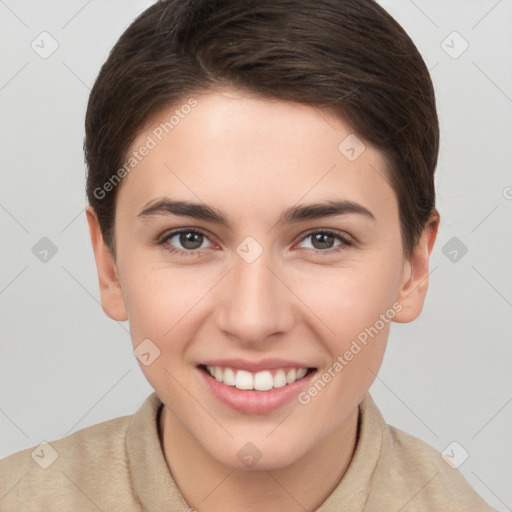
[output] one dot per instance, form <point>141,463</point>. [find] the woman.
<point>262,208</point>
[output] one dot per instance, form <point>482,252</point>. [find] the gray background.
<point>64,365</point>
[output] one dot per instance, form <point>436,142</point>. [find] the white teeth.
<point>263,381</point>
<point>260,381</point>
<point>301,372</point>
<point>244,380</point>
<point>279,379</point>
<point>229,377</point>
<point>291,376</point>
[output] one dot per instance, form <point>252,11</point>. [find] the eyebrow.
<point>293,214</point>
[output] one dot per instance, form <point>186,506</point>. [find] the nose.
<point>255,305</point>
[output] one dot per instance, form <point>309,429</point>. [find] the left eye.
<point>322,240</point>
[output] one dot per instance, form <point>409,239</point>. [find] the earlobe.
<point>416,277</point>
<point>112,300</point>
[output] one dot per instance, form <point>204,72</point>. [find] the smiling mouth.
<point>257,381</point>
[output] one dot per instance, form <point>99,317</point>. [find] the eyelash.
<point>345,242</point>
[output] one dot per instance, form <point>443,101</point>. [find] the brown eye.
<point>191,240</point>
<point>324,241</point>
<point>186,240</point>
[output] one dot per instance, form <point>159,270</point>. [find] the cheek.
<point>349,300</point>
<point>163,306</point>
<point>161,301</point>
<point>355,307</point>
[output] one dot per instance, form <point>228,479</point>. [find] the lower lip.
<point>252,401</point>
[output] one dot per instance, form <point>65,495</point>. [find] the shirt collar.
<point>354,488</point>
<point>151,479</point>
<point>156,490</point>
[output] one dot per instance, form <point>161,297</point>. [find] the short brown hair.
<point>348,55</point>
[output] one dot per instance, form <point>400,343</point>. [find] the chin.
<point>257,455</point>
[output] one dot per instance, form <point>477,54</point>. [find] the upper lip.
<point>256,366</point>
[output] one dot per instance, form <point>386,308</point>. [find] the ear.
<point>112,300</point>
<point>416,276</point>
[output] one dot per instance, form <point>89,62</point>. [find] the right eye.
<point>186,242</point>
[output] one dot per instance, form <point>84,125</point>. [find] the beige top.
<point>119,465</point>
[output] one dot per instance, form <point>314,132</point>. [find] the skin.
<point>252,158</point>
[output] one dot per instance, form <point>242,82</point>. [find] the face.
<point>264,263</point>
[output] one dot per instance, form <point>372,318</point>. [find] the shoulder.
<point>73,470</point>
<point>414,470</point>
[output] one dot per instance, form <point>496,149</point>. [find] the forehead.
<point>231,148</point>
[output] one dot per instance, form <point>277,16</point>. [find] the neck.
<point>206,484</point>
